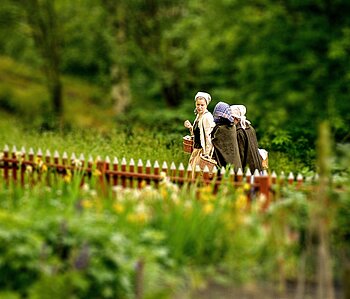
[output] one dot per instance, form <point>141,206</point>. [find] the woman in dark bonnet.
<point>224,137</point>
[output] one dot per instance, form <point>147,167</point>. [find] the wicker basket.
<point>264,157</point>
<point>207,161</point>
<point>265,163</point>
<point>187,142</point>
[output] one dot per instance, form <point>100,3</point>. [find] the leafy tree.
<point>288,61</point>
<point>154,47</point>
<point>45,29</point>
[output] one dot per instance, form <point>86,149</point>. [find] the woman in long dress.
<point>224,138</point>
<point>247,141</point>
<point>201,129</point>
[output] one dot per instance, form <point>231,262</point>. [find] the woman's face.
<point>201,105</point>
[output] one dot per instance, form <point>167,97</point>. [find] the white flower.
<point>93,193</point>
<point>77,163</point>
<point>85,187</point>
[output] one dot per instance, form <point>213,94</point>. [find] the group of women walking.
<point>224,135</point>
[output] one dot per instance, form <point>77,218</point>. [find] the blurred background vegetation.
<point>118,78</point>
<point>107,64</point>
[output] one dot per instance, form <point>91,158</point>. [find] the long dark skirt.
<point>248,148</point>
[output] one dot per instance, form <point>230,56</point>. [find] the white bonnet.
<point>204,95</point>
<point>239,111</point>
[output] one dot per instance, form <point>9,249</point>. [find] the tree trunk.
<point>120,89</point>
<point>43,20</point>
<point>57,100</point>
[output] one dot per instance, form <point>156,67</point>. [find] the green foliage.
<point>20,250</point>
<point>287,62</point>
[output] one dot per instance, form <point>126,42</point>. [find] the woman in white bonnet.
<point>201,129</point>
<point>246,138</point>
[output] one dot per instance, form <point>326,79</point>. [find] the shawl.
<point>249,148</point>
<point>206,124</point>
<point>225,144</point>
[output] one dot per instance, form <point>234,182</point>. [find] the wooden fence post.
<point>23,165</point>
<point>189,171</point>
<point>82,166</point>
<point>248,178</point>
<point>115,168</point>
<point>181,174</point>
<point>265,189</point>
<point>131,170</point>
<point>123,178</point>
<point>239,176</point>
<point>73,159</point>
<point>165,168</point>
<point>6,164</point>
<point>290,178</point>
<point>273,178</point>
<point>232,177</point>
<point>31,172</point>
<point>256,179</point>
<point>100,166</point>
<point>299,180</point>
<point>90,165</point>
<point>47,163</point>
<point>15,162</point>
<point>156,172</point>
<point>206,175</point>
<point>39,162</point>
<point>64,159</point>
<point>148,171</point>
<point>56,161</point>
<point>139,170</point>
<point>172,171</point>
<point>106,170</point>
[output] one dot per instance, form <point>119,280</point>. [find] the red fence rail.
<point>19,167</point>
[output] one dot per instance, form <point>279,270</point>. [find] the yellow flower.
<point>241,202</point>
<point>97,172</point>
<point>246,187</point>
<point>37,160</point>
<point>43,168</point>
<point>119,208</point>
<point>206,189</point>
<point>67,178</point>
<point>137,218</point>
<point>164,192</point>
<point>29,169</point>
<point>143,184</point>
<point>208,208</point>
<point>87,204</point>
